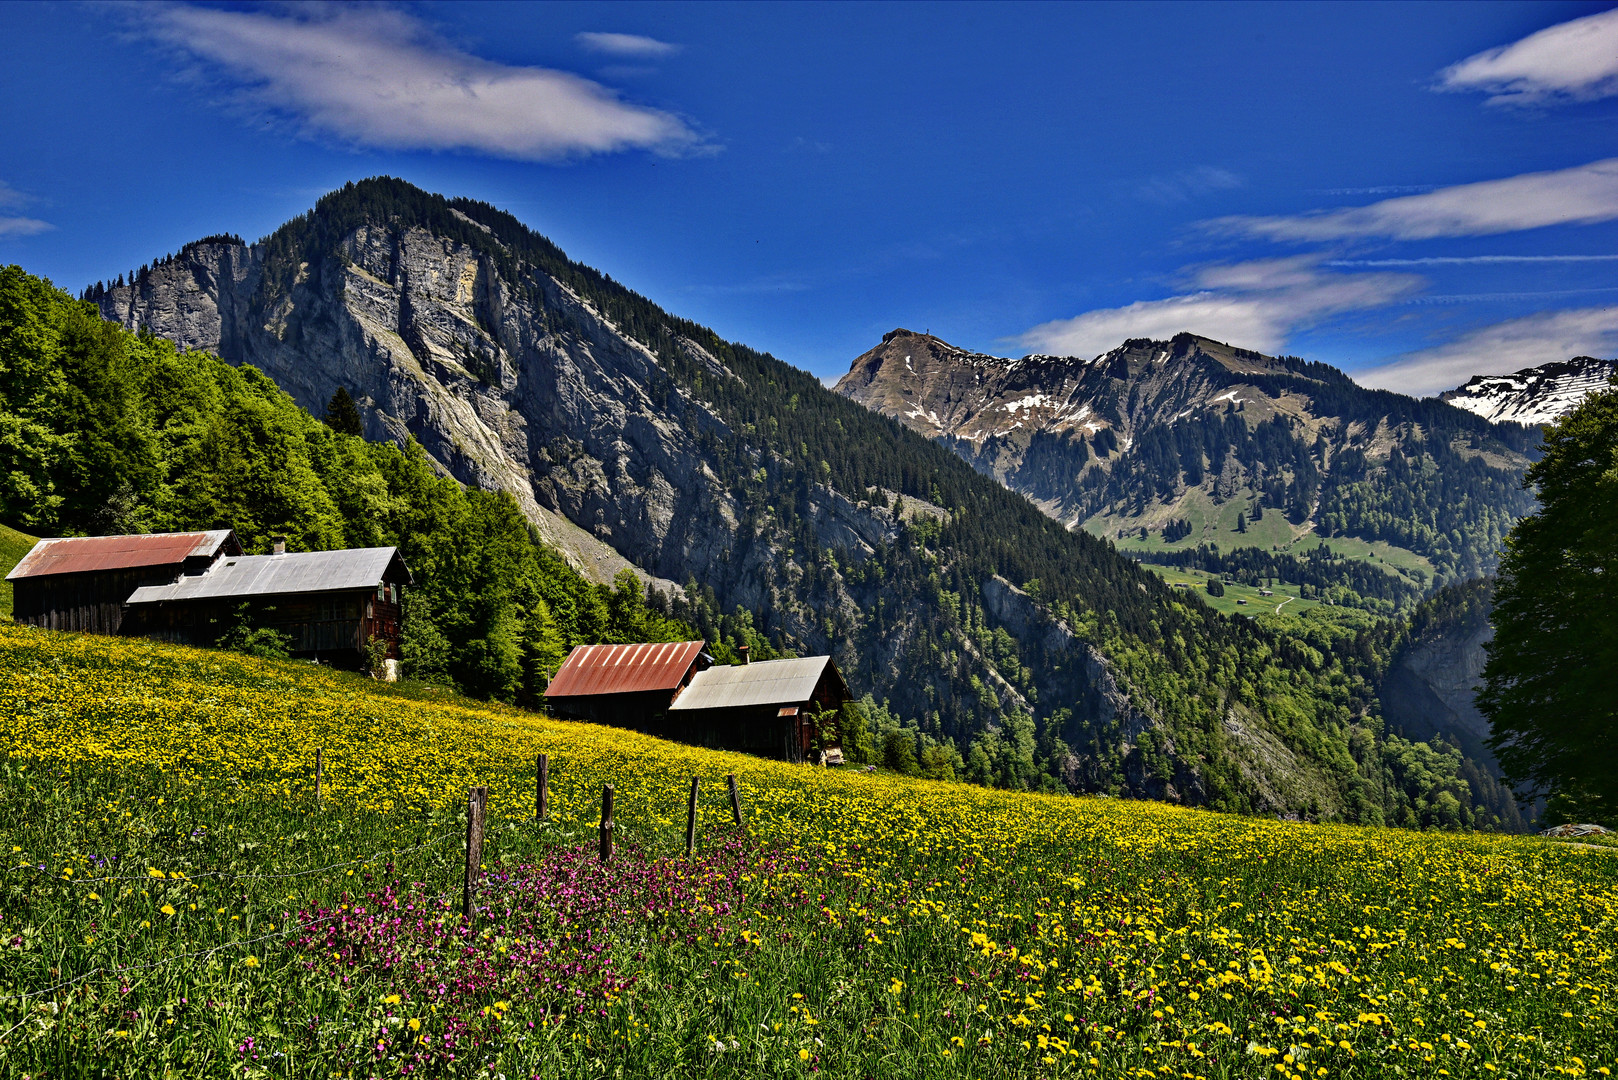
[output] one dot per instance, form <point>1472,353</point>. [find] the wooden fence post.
<point>606,822</point>
<point>318,775</point>
<point>691,821</point>
<point>542,788</point>
<point>735,800</point>
<point>477,801</point>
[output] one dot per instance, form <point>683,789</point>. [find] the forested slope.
<point>104,431</point>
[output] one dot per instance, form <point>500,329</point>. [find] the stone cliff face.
<point>1431,687</point>
<point>535,394</point>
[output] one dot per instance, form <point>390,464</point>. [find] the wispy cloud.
<point>1255,304</point>
<point>376,77</point>
<point>1381,189</point>
<point>1582,195</point>
<point>630,45</point>
<point>1503,347</point>
<point>1468,260</point>
<point>1572,61</point>
<point>1187,184</point>
<point>23,226</point>
<point>12,199</point>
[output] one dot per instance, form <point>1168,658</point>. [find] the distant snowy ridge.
<point>1534,395</point>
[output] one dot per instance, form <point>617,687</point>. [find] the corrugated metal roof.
<point>623,669</point>
<point>763,682</point>
<point>297,572</point>
<point>86,554</point>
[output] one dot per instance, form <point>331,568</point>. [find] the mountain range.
<point>1168,446</point>
<point>1033,654</point>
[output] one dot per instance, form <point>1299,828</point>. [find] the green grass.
<point>1211,523</point>
<point>1380,553</point>
<point>13,546</point>
<point>1286,597</point>
<point>177,906</point>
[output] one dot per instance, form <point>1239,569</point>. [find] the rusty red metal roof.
<point>624,669</point>
<point>87,554</point>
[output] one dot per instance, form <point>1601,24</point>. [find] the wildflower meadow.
<point>177,903</point>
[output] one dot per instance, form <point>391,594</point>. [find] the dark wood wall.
<point>331,627</point>
<point>90,603</point>
<point>757,730</point>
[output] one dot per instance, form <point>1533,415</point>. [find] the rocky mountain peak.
<point>1535,395</point>
<point>1190,437</point>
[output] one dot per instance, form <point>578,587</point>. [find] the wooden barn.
<point>189,587</point>
<point>82,582</point>
<point>328,603</point>
<point>676,692</point>
<point>625,685</point>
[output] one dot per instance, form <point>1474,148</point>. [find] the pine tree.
<point>1548,686</point>
<point>342,415</point>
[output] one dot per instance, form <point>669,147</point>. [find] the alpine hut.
<point>83,582</point>
<point>675,691</point>
<point>330,605</point>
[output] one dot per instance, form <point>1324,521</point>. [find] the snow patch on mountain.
<point>1536,395</point>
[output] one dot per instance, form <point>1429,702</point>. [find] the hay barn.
<point>190,588</point>
<point>675,691</point>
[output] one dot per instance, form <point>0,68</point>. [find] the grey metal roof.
<point>297,572</point>
<point>766,682</point>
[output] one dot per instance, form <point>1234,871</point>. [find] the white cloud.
<point>376,77</point>
<point>23,226</point>
<point>1582,195</point>
<point>1256,305</point>
<point>625,45</point>
<point>12,199</point>
<point>1500,348</point>
<point>1573,61</point>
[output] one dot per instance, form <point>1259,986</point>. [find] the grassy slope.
<point>13,546</point>
<point>1285,596</point>
<point>881,926</point>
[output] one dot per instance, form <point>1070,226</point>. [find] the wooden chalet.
<point>329,604</point>
<point>188,588</point>
<point>675,691</point>
<point>82,582</point>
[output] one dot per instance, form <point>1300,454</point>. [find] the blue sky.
<point>1413,192</point>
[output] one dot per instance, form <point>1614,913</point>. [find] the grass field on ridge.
<point>175,905</point>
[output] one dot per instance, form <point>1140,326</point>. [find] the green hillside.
<point>180,905</point>
<point>13,546</point>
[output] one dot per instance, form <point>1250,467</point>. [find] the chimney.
<point>280,547</point>
<point>745,651</point>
